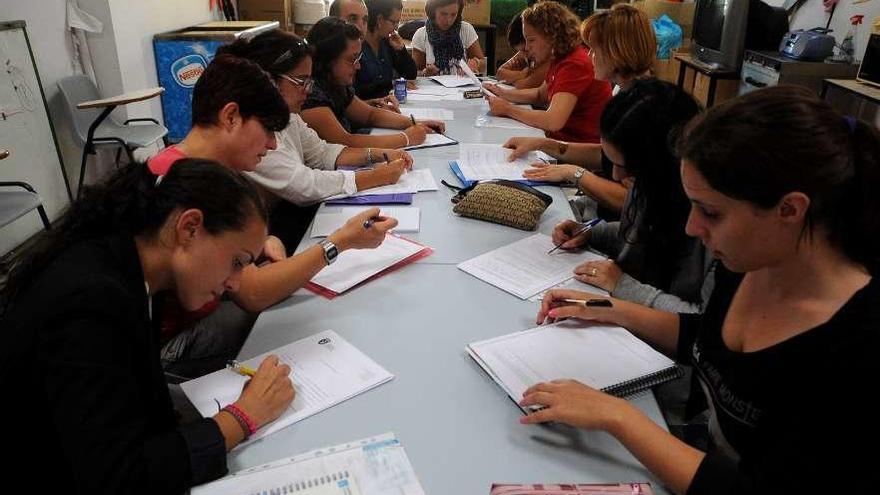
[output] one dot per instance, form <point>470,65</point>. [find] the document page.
<point>431,140</point>
<point>357,265</point>
<point>325,370</point>
<point>524,268</point>
<point>451,81</point>
<point>489,161</point>
<point>330,218</point>
<point>414,181</point>
<point>597,355</point>
<point>371,466</point>
<point>501,123</point>
<point>429,113</point>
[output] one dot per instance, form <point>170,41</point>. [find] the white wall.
<point>812,14</point>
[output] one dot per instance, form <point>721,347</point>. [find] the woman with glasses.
<point>445,39</point>
<point>383,53</point>
<point>334,111</point>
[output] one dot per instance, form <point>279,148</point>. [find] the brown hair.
<point>624,36</point>
<point>431,6</point>
<point>555,21</point>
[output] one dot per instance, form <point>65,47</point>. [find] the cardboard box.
<point>267,10</point>
<point>680,12</point>
<point>412,10</point>
<point>476,12</point>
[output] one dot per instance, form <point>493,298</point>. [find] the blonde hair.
<point>557,23</point>
<point>624,36</point>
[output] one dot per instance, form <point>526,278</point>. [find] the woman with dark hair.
<point>782,193</point>
<point>80,323</point>
<point>384,53</point>
<point>654,262</point>
<point>573,96</point>
<point>445,39</point>
<point>334,111</point>
<point>520,70</point>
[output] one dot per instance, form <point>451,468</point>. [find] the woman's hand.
<point>602,274</point>
<point>416,134</point>
<point>474,64</point>
<point>555,305</point>
<point>520,146</point>
<point>430,70</point>
<point>397,155</point>
<point>563,234</point>
<point>396,41</point>
<point>273,250</point>
<point>390,172</point>
<point>495,89</point>
<point>573,403</point>
<point>388,102</point>
<point>411,85</point>
<point>545,172</point>
<point>269,393</point>
<point>437,126</point>
<point>353,235</point>
<point>499,106</point>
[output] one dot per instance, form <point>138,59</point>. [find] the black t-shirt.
<point>337,99</point>
<point>789,418</point>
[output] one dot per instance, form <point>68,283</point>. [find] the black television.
<point>720,32</point>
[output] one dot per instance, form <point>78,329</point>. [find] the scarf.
<point>446,44</point>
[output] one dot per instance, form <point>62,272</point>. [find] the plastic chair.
<point>14,204</point>
<point>92,128</point>
<point>409,28</point>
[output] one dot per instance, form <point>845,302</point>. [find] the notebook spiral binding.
<point>303,486</point>
<point>636,385</point>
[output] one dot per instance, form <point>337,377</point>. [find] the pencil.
<point>235,366</point>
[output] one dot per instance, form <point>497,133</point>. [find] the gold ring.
<point>593,272</point>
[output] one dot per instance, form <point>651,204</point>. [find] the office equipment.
<point>27,132</point>
<point>371,466</point>
<point>431,140</point>
<point>572,489</point>
<point>358,266</point>
<point>802,44</point>
<point>607,358</point>
<point>330,218</point>
<point>325,370</point>
<point>93,128</point>
<point>524,268</point>
<point>724,28</point>
<point>762,69</point>
<point>869,70</point>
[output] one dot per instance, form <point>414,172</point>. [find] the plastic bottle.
<point>400,90</point>
<point>848,46</point>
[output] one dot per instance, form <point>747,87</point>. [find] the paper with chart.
<point>330,218</point>
<point>422,113</point>
<point>371,466</point>
<point>524,268</point>
<point>325,370</point>
<point>431,140</point>
<point>479,161</point>
<point>358,265</point>
<point>600,356</point>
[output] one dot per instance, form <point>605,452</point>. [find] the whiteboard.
<point>26,131</point>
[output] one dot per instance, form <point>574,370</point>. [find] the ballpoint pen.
<point>600,303</point>
<point>239,368</point>
<point>587,226</point>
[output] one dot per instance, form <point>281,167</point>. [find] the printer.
<point>814,44</point>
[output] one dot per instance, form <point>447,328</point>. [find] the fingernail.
<point>552,313</point>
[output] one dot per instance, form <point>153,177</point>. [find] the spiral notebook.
<point>608,358</point>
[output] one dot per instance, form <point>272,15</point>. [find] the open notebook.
<point>604,357</point>
<point>572,489</point>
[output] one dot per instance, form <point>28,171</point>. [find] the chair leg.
<point>44,217</point>
<point>82,170</point>
<point>130,153</point>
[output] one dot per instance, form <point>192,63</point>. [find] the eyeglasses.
<point>356,59</point>
<point>305,83</point>
<point>301,46</point>
<point>394,22</point>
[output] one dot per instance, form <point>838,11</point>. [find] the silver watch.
<point>577,176</point>
<point>330,251</point>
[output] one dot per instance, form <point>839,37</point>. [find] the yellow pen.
<point>233,365</point>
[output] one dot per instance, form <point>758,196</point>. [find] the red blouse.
<point>574,74</point>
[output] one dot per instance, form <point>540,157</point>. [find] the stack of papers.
<point>357,266</point>
<point>411,182</point>
<point>372,466</point>
<point>490,161</point>
<point>325,370</point>
<point>431,140</point>
<point>328,219</point>
<point>524,268</point>
<point>451,81</point>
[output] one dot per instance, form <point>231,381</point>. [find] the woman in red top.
<point>574,97</point>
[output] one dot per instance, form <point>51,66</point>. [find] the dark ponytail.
<point>276,52</point>
<point>131,203</point>
<point>782,139</point>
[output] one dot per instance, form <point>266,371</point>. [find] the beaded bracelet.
<point>248,426</point>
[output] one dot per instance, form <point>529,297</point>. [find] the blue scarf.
<point>446,44</point>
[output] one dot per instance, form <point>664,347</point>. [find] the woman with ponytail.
<point>781,188</point>
<point>80,368</point>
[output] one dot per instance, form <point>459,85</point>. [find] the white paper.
<point>457,96</point>
<point>524,268</point>
<point>329,218</point>
<point>466,69</point>
<point>501,123</point>
<point>451,81</point>
<point>325,370</point>
<point>573,284</point>
<point>356,265</point>
<point>411,182</point>
<point>430,139</point>
<point>596,355</point>
<point>429,113</point>
<point>479,161</point>
<point>371,466</point>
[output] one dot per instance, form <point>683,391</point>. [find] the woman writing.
<point>781,188</point>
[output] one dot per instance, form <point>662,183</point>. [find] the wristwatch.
<point>577,176</point>
<point>330,251</point>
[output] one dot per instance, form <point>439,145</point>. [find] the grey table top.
<point>458,427</point>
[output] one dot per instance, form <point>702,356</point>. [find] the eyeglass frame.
<point>306,83</point>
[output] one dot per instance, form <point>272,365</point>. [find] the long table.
<point>459,428</point>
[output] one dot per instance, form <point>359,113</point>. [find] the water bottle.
<point>400,90</point>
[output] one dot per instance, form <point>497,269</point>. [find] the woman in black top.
<point>334,111</point>
<point>781,188</point>
<point>87,403</point>
<point>383,51</point>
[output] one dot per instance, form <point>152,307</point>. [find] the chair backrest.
<point>75,90</point>
<point>409,28</point>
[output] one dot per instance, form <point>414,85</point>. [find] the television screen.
<point>709,22</point>
<point>870,69</point>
